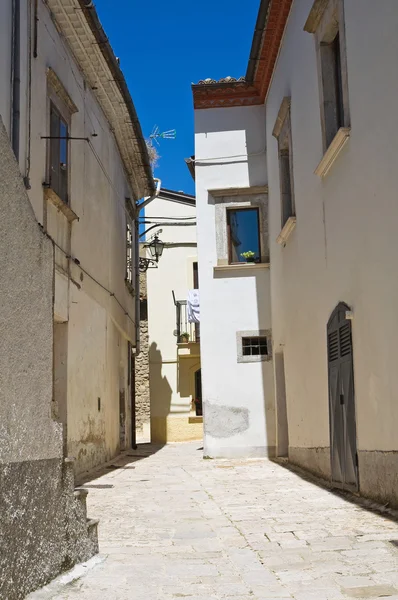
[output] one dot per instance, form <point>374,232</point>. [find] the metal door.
<point>343,446</point>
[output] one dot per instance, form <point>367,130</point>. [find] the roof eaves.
<point>95,57</point>
<point>179,197</point>
<point>190,162</point>
<point>258,38</point>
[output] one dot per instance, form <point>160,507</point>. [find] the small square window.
<point>254,346</point>
<point>243,235</point>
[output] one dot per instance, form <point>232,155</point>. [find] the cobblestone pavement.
<point>179,527</point>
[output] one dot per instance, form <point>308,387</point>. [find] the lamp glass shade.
<point>156,248</point>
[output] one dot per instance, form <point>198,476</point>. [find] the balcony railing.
<point>185,331</point>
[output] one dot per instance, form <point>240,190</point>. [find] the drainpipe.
<point>155,195</point>
<point>29,120</point>
<point>15,76</point>
<point>137,263</point>
<point>35,26</point>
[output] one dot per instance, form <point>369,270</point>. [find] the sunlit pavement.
<point>173,525</point>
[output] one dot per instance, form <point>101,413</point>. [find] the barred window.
<point>254,346</point>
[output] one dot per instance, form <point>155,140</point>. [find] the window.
<point>129,254</point>
<point>282,132</point>
<point>243,235</point>
<point>254,346</point>
<point>286,183</point>
<point>326,22</point>
<point>332,88</point>
<point>59,154</point>
<point>196,287</point>
<point>144,309</point>
<point>195,276</point>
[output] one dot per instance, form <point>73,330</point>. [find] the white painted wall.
<point>98,329</point>
<point>344,245</point>
<point>230,153</point>
<point>171,377</point>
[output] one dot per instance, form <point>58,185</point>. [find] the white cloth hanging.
<point>193,306</point>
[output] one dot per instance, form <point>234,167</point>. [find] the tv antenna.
<point>157,135</point>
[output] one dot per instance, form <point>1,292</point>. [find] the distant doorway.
<point>131,382</point>
<point>198,393</point>
<point>343,436</point>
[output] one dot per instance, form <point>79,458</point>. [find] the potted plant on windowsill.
<point>184,337</point>
<point>249,256</point>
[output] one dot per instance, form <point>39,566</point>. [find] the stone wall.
<point>142,393</point>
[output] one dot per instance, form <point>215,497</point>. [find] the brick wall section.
<point>142,394</point>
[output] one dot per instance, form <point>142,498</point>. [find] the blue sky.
<point>163,47</point>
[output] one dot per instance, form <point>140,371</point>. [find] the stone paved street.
<point>177,526</point>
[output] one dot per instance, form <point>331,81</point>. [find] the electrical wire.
<point>77,263</point>
<point>175,218</point>
<point>205,159</point>
<point>171,223</point>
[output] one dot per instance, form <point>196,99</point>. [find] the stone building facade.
<point>43,522</point>
<point>142,392</point>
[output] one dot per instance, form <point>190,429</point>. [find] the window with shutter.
<point>59,154</point>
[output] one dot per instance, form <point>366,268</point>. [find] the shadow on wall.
<point>160,396</point>
<point>273,392</point>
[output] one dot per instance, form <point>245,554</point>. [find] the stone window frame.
<point>282,132</point>
<point>253,333</point>
<point>326,21</point>
<point>64,105</point>
<point>236,201</point>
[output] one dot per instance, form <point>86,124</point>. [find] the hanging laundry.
<point>193,306</point>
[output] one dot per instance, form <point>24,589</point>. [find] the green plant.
<point>184,335</point>
<point>249,255</point>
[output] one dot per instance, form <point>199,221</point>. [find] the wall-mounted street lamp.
<point>156,247</point>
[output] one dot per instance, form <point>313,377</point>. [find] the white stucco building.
<point>305,123</point>
<point>231,192</point>
<point>79,145</point>
<point>174,358</point>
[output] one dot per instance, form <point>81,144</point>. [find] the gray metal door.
<point>343,445</point>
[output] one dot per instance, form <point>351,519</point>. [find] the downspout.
<point>139,207</point>
<point>155,195</point>
<point>35,27</point>
<point>15,76</point>
<point>29,117</point>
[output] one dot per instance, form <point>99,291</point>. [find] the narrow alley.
<point>173,525</point>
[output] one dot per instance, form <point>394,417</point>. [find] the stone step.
<point>92,533</point>
<point>80,495</point>
<point>69,474</point>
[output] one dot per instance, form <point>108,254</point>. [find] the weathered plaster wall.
<point>344,246</point>
<point>239,412</point>
<point>172,376</point>
<point>142,392</point>
<point>98,330</point>
<point>37,506</point>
